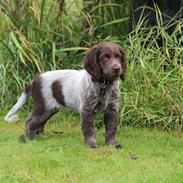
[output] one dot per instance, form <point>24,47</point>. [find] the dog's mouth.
<point>112,76</point>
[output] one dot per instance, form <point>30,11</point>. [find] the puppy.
<point>93,89</point>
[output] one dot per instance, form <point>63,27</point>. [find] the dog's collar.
<point>104,84</point>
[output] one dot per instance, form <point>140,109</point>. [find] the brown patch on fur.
<point>38,100</point>
<point>57,92</point>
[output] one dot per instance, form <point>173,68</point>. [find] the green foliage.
<point>41,37</point>
<point>111,18</point>
<point>153,92</point>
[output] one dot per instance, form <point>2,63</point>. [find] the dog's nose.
<point>116,68</point>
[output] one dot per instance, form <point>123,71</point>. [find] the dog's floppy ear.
<point>123,63</point>
<point>91,63</point>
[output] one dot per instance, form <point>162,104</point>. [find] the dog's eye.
<point>106,56</point>
<point>117,55</point>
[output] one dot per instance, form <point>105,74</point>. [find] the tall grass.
<point>47,39</point>
<point>112,14</point>
<point>153,93</point>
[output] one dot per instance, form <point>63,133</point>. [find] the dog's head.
<point>105,61</point>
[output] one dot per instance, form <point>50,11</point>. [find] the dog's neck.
<point>104,84</point>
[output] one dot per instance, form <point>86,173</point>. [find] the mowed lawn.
<point>59,156</point>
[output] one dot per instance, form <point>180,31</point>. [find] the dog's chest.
<point>101,102</point>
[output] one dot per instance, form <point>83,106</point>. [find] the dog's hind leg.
<point>41,113</point>
<point>35,123</point>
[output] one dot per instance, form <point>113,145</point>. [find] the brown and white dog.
<point>95,88</point>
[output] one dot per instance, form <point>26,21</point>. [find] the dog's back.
<point>62,88</point>
<point>48,88</point>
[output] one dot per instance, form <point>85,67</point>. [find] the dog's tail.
<point>11,116</point>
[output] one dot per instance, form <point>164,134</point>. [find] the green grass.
<point>63,158</point>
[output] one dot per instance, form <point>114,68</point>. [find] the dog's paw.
<point>117,146</point>
<point>91,143</point>
<point>113,143</point>
<point>12,119</point>
<point>91,146</point>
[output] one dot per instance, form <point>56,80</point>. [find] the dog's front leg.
<point>87,118</point>
<point>110,120</point>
